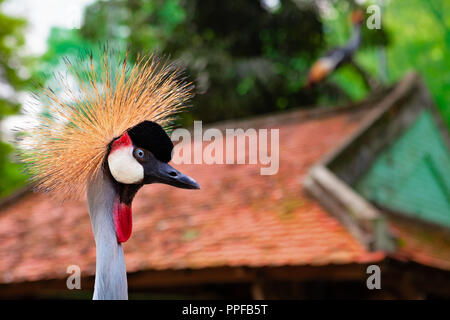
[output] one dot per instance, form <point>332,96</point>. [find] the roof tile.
<point>238,218</point>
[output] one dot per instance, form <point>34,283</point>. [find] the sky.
<point>42,15</point>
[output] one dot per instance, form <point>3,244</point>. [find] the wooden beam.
<point>362,219</point>
<point>154,279</point>
<point>337,210</point>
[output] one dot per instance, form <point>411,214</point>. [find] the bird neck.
<point>355,41</point>
<point>111,273</point>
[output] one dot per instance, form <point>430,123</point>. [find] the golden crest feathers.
<point>110,96</point>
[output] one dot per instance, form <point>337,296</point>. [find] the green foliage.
<point>11,64</point>
<point>11,39</point>
<point>421,33</point>
<point>10,171</point>
<point>243,58</point>
<point>237,74</point>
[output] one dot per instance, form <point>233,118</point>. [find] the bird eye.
<point>139,153</point>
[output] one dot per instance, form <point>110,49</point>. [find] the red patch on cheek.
<point>123,141</point>
<point>122,220</point>
<point>122,212</point>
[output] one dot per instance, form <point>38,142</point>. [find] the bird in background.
<point>107,138</point>
<point>337,57</point>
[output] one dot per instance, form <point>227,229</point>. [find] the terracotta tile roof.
<point>422,244</point>
<point>239,218</point>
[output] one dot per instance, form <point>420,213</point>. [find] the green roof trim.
<point>412,175</point>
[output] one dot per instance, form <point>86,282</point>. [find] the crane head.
<point>140,156</point>
<point>357,17</point>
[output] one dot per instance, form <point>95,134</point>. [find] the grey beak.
<point>162,172</point>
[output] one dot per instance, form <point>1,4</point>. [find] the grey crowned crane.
<point>335,58</point>
<point>107,138</point>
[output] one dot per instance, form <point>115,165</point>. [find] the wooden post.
<point>257,290</point>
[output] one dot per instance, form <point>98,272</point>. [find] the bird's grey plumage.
<point>111,274</point>
<point>355,41</point>
<point>341,55</point>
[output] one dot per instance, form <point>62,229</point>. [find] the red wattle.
<point>122,220</point>
<point>123,141</point>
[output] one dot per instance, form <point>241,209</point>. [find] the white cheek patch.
<point>124,167</point>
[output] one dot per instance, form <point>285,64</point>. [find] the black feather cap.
<point>151,136</point>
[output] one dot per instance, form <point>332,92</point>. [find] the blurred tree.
<point>245,57</point>
<point>12,78</point>
<point>421,33</point>
<point>263,69</point>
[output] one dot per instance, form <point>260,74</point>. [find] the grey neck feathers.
<point>355,41</point>
<point>111,273</point>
